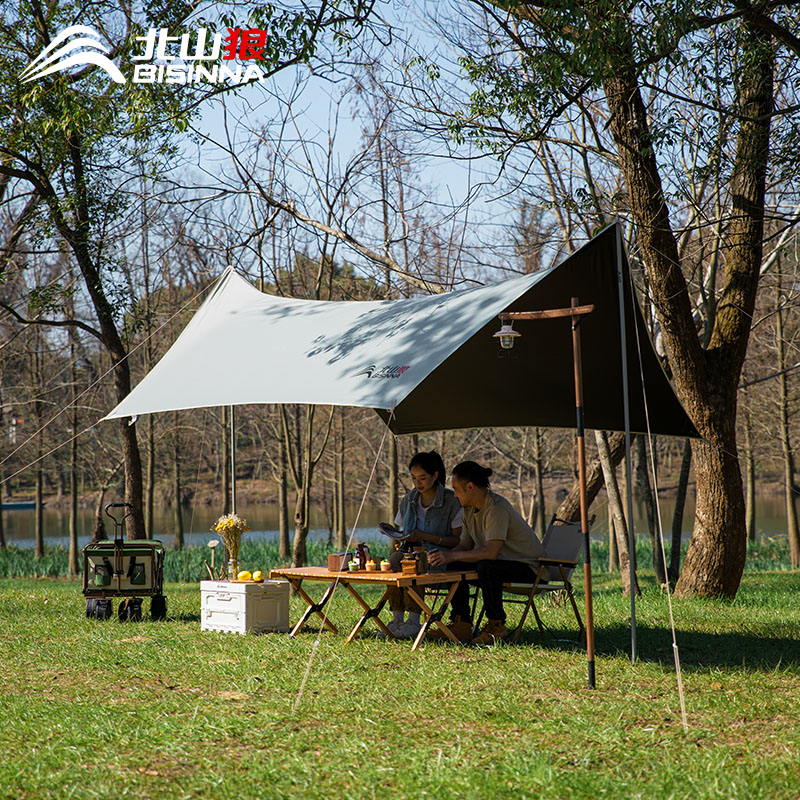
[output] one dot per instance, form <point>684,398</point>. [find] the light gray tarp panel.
<point>244,346</point>
<point>432,358</point>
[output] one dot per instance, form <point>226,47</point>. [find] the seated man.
<point>497,543</point>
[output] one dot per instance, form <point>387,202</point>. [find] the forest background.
<point>393,149</point>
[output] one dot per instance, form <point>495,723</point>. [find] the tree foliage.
<point>679,99</point>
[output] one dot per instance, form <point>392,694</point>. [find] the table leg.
<point>434,616</point>
<point>369,613</point>
<point>313,608</point>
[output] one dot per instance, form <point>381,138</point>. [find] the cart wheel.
<point>158,607</point>
<point>130,609</point>
<point>91,602</point>
<point>103,608</point>
<point>135,609</point>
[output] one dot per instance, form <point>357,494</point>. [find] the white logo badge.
<point>51,63</point>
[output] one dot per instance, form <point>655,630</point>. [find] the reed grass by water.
<point>189,565</point>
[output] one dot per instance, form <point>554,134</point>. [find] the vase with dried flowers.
<point>230,527</point>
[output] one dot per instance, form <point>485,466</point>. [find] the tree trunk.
<point>750,477</point>
<point>526,515</point>
<point>299,552</point>
<point>677,517</point>
<point>705,381</point>
<point>613,552</point>
<point>131,458</point>
<point>786,444</point>
<point>226,461</point>
<point>341,520</point>
<point>570,508</point>
<point>39,513</point>
<point>177,508</point>
<point>150,485</point>
<point>644,487</point>
<point>78,239</point>
<point>304,475</point>
<point>283,504</point>
<point>73,463</point>
<point>328,507</point>
<point>99,532</point>
<point>149,489</point>
<point>606,458</point>
<point>538,480</point>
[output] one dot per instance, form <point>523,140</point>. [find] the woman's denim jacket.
<point>438,516</point>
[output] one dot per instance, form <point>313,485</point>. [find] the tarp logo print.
<point>384,372</point>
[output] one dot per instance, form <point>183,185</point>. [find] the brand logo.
<point>200,56</point>
<point>48,62</point>
<point>384,372</point>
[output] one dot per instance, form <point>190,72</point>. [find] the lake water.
<point>263,519</point>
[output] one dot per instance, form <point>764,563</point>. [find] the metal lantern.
<point>506,335</point>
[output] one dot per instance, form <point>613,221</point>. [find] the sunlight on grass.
<point>100,709</point>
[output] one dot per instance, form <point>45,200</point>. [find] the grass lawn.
<point>93,709</point>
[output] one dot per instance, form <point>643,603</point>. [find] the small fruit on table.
<point>258,576</point>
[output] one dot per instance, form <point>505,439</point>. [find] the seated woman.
<point>430,515</point>
<point>497,543</point>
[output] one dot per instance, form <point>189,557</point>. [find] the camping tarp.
<point>425,363</point>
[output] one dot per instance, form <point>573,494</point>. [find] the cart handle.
<point>119,505</point>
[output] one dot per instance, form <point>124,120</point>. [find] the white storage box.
<point>242,607</point>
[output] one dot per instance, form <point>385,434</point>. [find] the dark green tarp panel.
<point>476,388</point>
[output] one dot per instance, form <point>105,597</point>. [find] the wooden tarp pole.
<point>576,314</point>
<point>587,558</point>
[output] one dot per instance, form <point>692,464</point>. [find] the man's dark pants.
<point>492,574</point>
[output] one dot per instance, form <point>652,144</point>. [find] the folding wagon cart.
<point>131,570</point>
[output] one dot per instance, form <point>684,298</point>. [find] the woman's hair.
<point>431,462</point>
<point>472,472</point>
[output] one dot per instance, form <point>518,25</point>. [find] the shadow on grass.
<point>184,616</point>
<point>698,650</point>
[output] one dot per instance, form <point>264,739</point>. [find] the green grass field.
<point>92,709</point>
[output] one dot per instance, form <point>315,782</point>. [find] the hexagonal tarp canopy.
<point>426,363</point>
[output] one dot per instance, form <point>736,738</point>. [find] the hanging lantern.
<point>506,335</point>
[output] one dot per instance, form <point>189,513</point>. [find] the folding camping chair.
<point>562,542</point>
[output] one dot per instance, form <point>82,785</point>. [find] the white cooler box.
<point>242,607</point>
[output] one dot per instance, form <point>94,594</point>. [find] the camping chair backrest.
<point>563,540</point>
<point>562,543</point>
